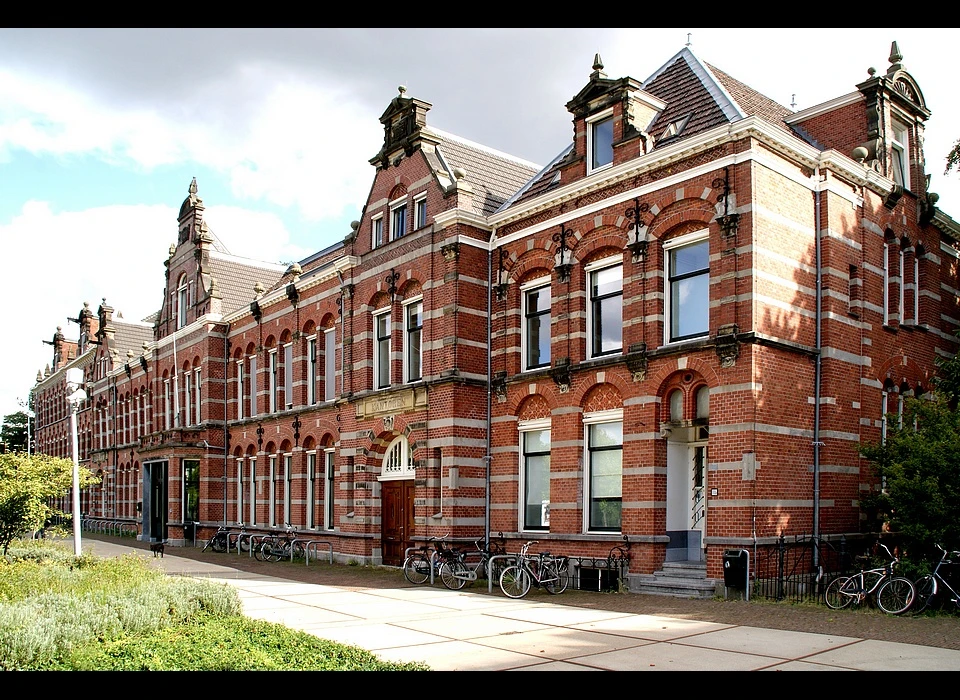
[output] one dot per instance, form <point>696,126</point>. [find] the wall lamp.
<point>501,286</point>
<point>637,241</point>
<point>564,255</point>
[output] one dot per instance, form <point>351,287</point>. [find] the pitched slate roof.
<point>130,336</point>
<point>237,276</point>
<point>494,176</point>
<point>697,95</point>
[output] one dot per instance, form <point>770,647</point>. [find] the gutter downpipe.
<point>817,374</point>
<point>488,458</point>
<point>226,427</point>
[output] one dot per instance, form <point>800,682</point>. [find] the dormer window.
<point>600,141</point>
<point>900,154</point>
<point>674,128</point>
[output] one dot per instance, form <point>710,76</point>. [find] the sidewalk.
<point>464,631</point>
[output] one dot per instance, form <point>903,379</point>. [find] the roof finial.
<point>193,186</point>
<point>688,39</point>
<point>597,63</point>
<point>793,102</point>
<point>402,89</point>
<point>895,58</point>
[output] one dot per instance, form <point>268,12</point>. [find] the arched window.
<point>182,303</point>
<point>676,406</point>
<point>398,460</point>
<point>703,402</point>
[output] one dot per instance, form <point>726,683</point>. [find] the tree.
<point>919,467</point>
<point>953,158</point>
<point>14,431</point>
<point>29,484</point>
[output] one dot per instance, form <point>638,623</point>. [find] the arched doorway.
<point>396,501</point>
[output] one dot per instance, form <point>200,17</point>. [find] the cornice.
<point>452,217</point>
<point>824,107</point>
<point>79,361</point>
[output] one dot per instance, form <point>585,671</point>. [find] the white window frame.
<point>408,357</point>
<point>420,211</point>
<point>311,370</point>
<point>274,365</point>
<point>398,460</point>
<point>196,396</point>
<point>253,489</point>
<point>379,381</point>
<point>311,504</point>
<point>901,259</point>
<point>524,428</point>
<point>288,375</point>
<point>329,484</point>
<point>591,269</point>
<point>592,123</point>
<point>589,419</point>
<point>167,406</point>
<point>542,283</point>
<point>330,364</point>
<point>900,150</point>
<point>241,396</point>
<point>376,231</point>
<point>916,287</point>
<point>240,486</point>
<point>886,283</point>
<point>287,486</point>
<point>187,397</point>
<point>182,303</point>
<point>690,239</point>
<point>395,206</point>
<point>272,492</point>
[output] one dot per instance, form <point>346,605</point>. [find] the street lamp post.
<point>75,395</point>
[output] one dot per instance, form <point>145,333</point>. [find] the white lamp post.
<point>76,394</point>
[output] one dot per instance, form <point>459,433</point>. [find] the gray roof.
<point>130,337</point>
<point>237,276</point>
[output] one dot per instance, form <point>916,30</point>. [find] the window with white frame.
<point>412,340</point>
<point>688,287</point>
<point>329,364</point>
<point>381,355</point>
<point>886,283</point>
<point>288,375</point>
<point>252,381</point>
<point>600,141</point>
<point>535,475</point>
<point>287,487</point>
<point>398,460</point>
<point>398,220</point>
<point>313,489</point>
<point>535,338</point>
<point>900,154</point>
<point>328,500</point>
<point>187,386</point>
<point>377,232</point>
<point>182,304</point>
<point>240,489</point>
<point>272,492</point>
<point>420,211</point>
<point>241,395</point>
<point>274,379</point>
<point>916,286</point>
<point>167,405</point>
<point>605,308</point>
<point>311,370</point>
<point>196,396</point>
<point>902,278</point>
<point>603,476</point>
<point>253,490</point>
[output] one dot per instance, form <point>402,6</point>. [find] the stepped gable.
<point>494,176</point>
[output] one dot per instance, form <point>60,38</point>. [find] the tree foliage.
<point>953,158</point>
<point>14,431</point>
<point>29,486</point>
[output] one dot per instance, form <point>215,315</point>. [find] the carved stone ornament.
<point>637,361</point>
<point>728,345</point>
<point>388,423</point>
<point>451,251</point>
<point>560,373</point>
<point>499,385</point>
<point>729,224</point>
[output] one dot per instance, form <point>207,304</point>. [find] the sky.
<point>102,131</point>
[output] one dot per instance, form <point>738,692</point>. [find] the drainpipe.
<point>817,373</point>
<point>488,459</point>
<point>226,430</point>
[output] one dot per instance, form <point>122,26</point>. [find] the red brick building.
<point>674,334</point>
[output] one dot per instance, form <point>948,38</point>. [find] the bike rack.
<point>313,544</point>
<point>255,540</point>
<point>512,560</point>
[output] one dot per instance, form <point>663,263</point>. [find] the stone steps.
<point>680,579</point>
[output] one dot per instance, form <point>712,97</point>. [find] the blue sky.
<point>102,130</point>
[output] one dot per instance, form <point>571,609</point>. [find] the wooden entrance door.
<point>397,512</point>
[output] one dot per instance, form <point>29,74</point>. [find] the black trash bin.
<point>735,568</point>
<point>190,532</point>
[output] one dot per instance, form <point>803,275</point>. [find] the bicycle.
<point>241,540</point>
<point>545,570</point>
<point>419,564</point>
<point>892,594</point>
<point>279,547</point>
<point>219,541</point>
<point>929,586</point>
<point>458,568</point>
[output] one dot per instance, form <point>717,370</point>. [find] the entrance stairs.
<point>680,579</point>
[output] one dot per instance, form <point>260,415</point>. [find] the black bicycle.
<point>219,542</point>
<point>893,594</point>
<point>934,586</point>
<point>459,567</point>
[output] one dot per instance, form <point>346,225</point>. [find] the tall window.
<point>606,308</point>
<point>191,490</point>
<point>272,496</point>
<point>535,484</point>
<point>900,154</point>
<point>398,221</point>
<point>381,359</point>
<point>600,140</point>
<point>378,232</point>
<point>688,287</point>
<point>288,375</point>
<point>187,386</point>
<point>274,381</point>
<point>241,395</point>
<point>329,364</point>
<point>312,490</point>
<point>240,488</point>
<point>916,286</point>
<point>902,277</point>
<point>287,486</point>
<point>196,396</point>
<point>311,370</point>
<point>328,499</point>
<point>536,325</point>
<point>886,283</point>
<point>604,473</point>
<point>252,380</point>
<point>182,304</point>
<point>420,206</point>
<point>253,490</point>
<point>412,337</point>
<point>167,406</point>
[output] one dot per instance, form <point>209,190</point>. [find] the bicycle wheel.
<point>559,574</point>
<point>896,595</point>
<point>833,597</point>
<point>416,568</point>
<point>243,542</point>
<point>299,552</point>
<point>926,589</point>
<point>219,543</point>
<point>515,582</point>
<point>449,571</point>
